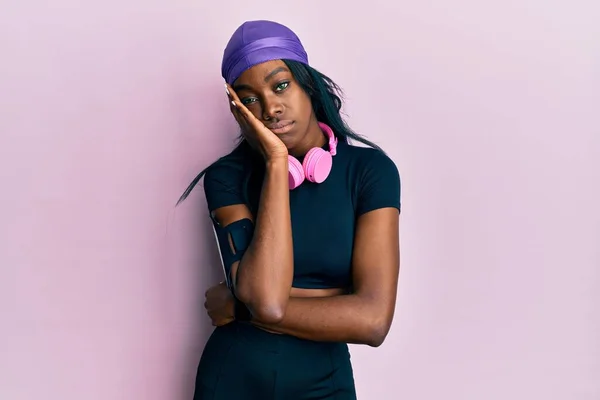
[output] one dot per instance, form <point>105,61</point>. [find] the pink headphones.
<point>317,162</point>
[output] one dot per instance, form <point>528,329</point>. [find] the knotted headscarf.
<point>255,42</point>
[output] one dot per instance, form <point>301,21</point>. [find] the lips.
<point>281,127</point>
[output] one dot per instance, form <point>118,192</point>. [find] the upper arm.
<point>376,260</point>
<point>376,253</point>
<point>222,218</point>
<point>223,188</point>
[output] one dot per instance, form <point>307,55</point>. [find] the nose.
<point>272,108</point>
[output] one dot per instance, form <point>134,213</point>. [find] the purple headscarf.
<point>255,42</point>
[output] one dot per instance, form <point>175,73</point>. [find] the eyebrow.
<point>267,78</point>
<point>275,72</point>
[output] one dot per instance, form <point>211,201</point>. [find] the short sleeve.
<point>379,184</point>
<point>224,185</point>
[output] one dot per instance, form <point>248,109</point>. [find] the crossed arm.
<point>363,316</point>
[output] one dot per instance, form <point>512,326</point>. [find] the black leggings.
<point>243,362</point>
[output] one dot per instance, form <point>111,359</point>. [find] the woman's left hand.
<point>220,304</point>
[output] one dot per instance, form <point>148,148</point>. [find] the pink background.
<point>490,109</point>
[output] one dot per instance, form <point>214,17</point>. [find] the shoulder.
<point>224,180</point>
<point>377,178</point>
<point>373,163</point>
<point>226,169</point>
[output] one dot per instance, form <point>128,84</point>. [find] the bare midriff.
<point>301,292</point>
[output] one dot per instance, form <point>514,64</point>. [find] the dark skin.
<point>268,94</point>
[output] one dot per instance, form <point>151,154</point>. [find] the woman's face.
<point>272,94</point>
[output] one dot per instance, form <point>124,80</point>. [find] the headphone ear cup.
<point>295,172</point>
<point>317,165</point>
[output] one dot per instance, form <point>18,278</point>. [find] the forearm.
<point>264,275</point>
<point>345,318</point>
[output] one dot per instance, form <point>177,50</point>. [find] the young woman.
<point>308,231</point>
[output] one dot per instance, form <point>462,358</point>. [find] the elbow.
<point>263,307</point>
<point>376,332</point>
<point>377,320</point>
<point>267,313</point>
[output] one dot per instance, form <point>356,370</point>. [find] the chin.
<point>290,137</point>
<point>294,146</point>
<point>296,136</point>
<point>290,141</point>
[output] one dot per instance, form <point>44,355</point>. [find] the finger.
<point>246,118</point>
<point>237,104</point>
<point>238,116</point>
<point>234,101</point>
<point>233,98</point>
<point>231,93</point>
<point>243,111</point>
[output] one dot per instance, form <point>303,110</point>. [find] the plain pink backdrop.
<point>490,109</point>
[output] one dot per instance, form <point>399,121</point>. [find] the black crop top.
<point>323,215</point>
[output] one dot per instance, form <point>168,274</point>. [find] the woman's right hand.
<point>257,134</point>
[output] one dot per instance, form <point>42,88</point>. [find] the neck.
<point>314,138</point>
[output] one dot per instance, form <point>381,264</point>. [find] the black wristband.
<point>241,312</point>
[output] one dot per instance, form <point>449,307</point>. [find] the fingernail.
<point>227,90</point>
<point>233,102</point>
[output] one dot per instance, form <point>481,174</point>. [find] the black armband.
<point>233,241</point>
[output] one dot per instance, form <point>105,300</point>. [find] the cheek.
<point>257,113</point>
<point>303,105</point>
<point>255,109</point>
